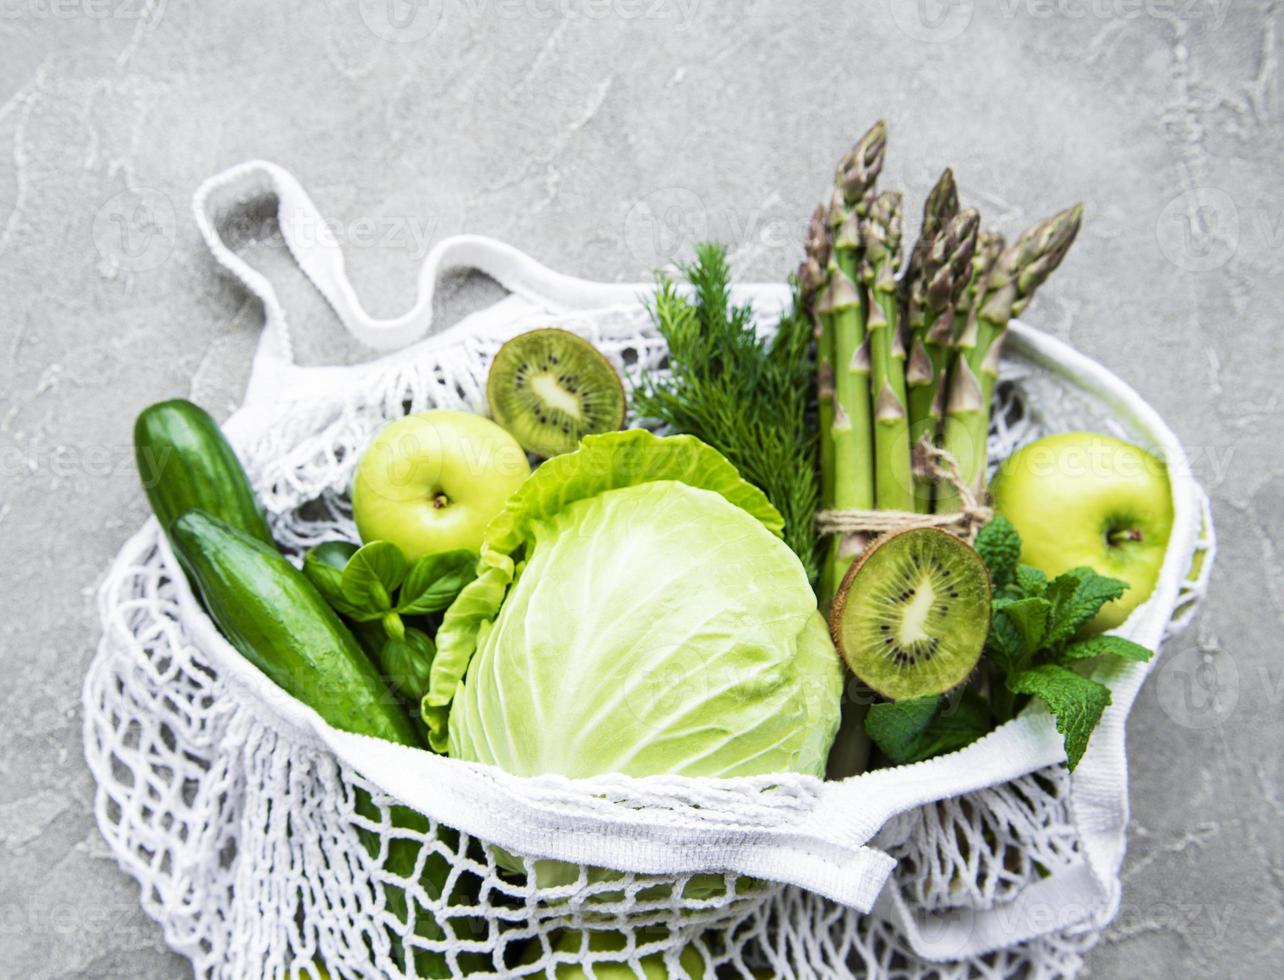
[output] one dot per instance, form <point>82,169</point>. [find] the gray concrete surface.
<point>598,134</point>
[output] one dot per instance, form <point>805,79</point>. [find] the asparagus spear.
<point>881,237</point>
<point>939,209</point>
<point>859,169</point>
<point>854,488</point>
<point>811,287</point>
<point>955,338</point>
<point>938,284</point>
<point>1008,289</point>
<point>850,428</point>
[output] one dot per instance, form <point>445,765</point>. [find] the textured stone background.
<point>599,139</point>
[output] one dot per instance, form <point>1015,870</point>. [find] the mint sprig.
<point>1034,643</point>
<point>1034,650</point>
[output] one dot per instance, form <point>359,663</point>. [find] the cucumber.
<point>185,463</point>
<point>277,620</point>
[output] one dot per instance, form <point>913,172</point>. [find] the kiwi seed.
<point>549,388</point>
<point>912,613</point>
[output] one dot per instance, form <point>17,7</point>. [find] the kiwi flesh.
<point>549,388</point>
<point>912,613</point>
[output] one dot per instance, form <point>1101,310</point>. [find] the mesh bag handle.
<point>321,258</point>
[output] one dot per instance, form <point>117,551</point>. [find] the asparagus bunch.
<point>1005,291</point>
<point>903,362</point>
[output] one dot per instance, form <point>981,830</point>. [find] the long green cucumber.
<point>185,463</point>
<point>277,620</point>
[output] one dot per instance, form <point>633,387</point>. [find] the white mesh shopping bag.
<point>236,807</point>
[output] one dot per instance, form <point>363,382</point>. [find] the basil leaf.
<point>435,580</point>
<point>372,575</point>
<point>323,567</point>
<point>406,662</point>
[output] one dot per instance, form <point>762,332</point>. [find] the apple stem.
<point>1127,534</point>
<point>439,501</point>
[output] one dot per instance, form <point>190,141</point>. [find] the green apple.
<point>1080,498</point>
<point>432,482</point>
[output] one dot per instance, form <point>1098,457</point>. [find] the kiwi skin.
<point>542,439</point>
<point>845,591</point>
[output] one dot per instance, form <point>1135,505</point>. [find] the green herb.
<point>1033,648</point>
<point>1032,652</point>
<point>435,580</point>
<point>407,661</point>
<point>371,576</point>
<point>747,397</point>
<point>919,728</point>
<point>375,584</point>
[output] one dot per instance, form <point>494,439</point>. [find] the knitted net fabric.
<point>242,833</point>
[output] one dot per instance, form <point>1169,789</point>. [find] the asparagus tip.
<point>859,169</point>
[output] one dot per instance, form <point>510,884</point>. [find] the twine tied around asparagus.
<point>929,461</point>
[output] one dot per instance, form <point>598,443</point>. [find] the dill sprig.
<point>747,396</point>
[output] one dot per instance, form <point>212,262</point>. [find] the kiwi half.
<point>550,388</point>
<point>912,613</point>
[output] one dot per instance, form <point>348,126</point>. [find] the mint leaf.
<point>958,725</point>
<point>1029,616</point>
<point>920,728</point>
<point>435,580</point>
<point>897,727</point>
<point>1076,597</point>
<point>1076,701</point>
<point>1030,580</point>
<point>1106,646</point>
<point>1006,644</point>
<point>999,546</point>
<point>323,567</point>
<point>371,576</point>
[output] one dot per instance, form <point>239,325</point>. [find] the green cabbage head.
<point>636,612</point>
